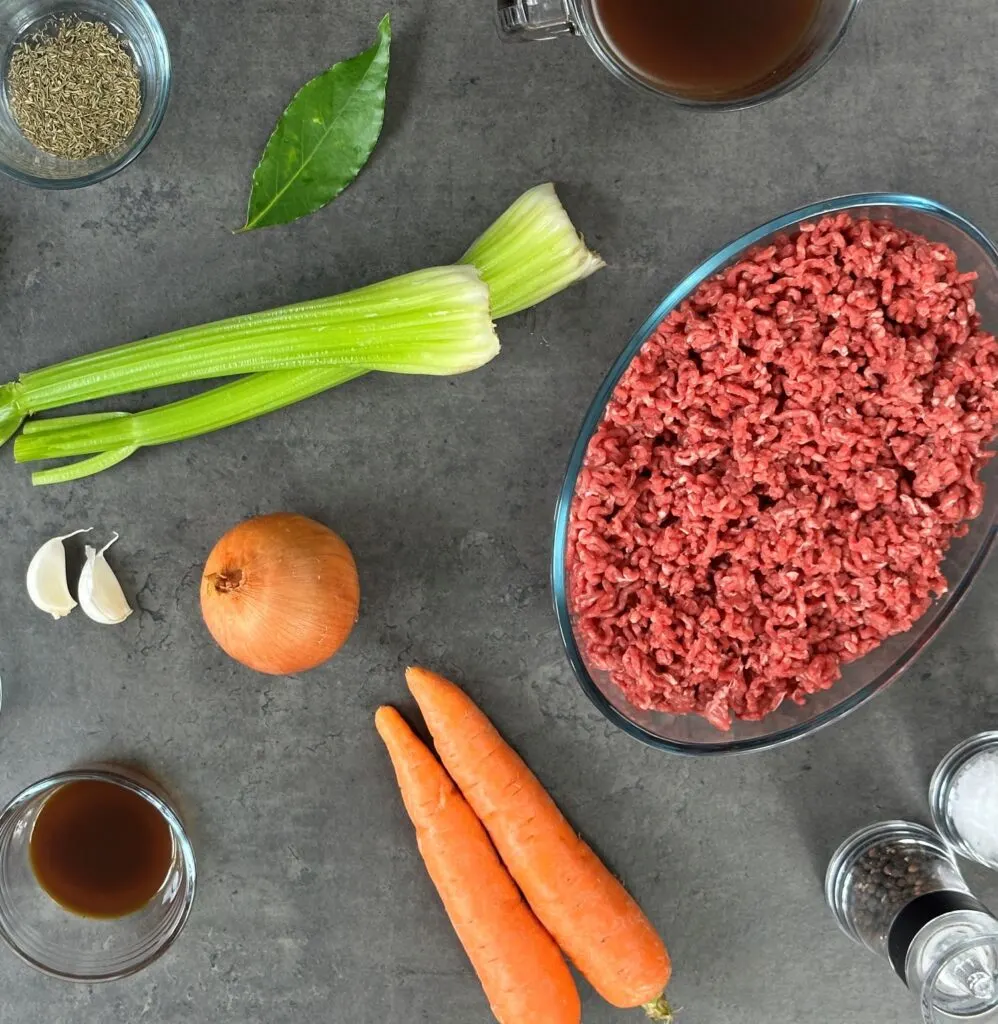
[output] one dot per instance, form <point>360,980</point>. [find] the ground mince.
<point>780,470</point>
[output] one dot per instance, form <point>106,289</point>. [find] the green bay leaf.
<point>323,138</point>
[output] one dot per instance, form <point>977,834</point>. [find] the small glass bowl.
<point>66,945</point>
<point>861,679</point>
<point>941,788</point>
<point>132,20</point>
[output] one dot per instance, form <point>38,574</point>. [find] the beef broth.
<point>706,48</point>
<point>100,850</point>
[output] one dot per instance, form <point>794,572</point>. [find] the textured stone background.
<point>313,905</point>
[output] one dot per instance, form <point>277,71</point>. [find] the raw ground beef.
<point>780,470</point>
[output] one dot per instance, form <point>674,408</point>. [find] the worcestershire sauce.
<point>705,48</point>
<point>100,850</point>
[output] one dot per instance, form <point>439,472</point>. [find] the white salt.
<point>973,805</point>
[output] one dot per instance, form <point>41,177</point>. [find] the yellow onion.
<point>280,593</point>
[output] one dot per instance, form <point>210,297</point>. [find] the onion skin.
<point>280,593</point>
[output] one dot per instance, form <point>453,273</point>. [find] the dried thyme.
<point>74,90</point>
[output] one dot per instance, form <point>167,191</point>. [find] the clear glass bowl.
<point>941,786</point>
<point>135,22</point>
<point>65,945</point>
<point>861,679</point>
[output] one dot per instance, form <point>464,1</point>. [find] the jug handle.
<point>534,20</point>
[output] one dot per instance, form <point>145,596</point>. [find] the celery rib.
<point>54,425</point>
<point>220,407</point>
<point>433,321</point>
<point>85,467</point>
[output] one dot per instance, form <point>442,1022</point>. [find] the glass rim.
<point>623,73</point>
<point>185,854</point>
<point>158,101</point>
<point>558,572</point>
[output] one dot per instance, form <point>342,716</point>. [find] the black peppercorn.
<point>885,879</point>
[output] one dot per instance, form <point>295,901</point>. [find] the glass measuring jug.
<point>823,30</point>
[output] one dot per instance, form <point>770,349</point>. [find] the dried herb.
<point>74,90</point>
<point>323,138</point>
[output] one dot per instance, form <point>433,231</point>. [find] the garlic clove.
<point>101,596</point>
<point>48,587</point>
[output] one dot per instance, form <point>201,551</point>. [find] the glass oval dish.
<point>66,945</point>
<point>131,20</point>
<point>861,679</point>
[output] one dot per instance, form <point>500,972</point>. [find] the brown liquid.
<point>707,48</point>
<point>99,849</point>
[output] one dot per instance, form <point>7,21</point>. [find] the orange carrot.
<point>525,978</point>
<point>577,899</point>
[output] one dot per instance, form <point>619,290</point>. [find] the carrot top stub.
<point>578,900</point>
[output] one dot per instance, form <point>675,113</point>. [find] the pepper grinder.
<point>895,888</point>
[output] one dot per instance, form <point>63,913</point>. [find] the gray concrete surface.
<point>313,905</point>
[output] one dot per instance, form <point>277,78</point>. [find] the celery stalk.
<point>529,254</point>
<point>432,321</point>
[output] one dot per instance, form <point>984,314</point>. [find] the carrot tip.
<point>383,716</point>
<point>659,1009</point>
